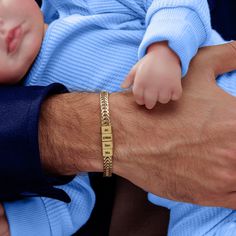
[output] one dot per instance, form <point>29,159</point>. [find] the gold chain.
<point>106,131</point>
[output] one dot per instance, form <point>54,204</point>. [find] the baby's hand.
<point>156,77</point>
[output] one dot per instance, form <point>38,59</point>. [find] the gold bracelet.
<point>106,131</point>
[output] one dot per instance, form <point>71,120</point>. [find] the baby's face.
<point>21,34</point>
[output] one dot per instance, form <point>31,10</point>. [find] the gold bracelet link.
<point>107,138</point>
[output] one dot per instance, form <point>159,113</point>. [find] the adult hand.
<point>4,229</point>
<point>186,150</point>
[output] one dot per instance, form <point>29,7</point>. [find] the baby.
<point>154,81</point>
<point>91,45</point>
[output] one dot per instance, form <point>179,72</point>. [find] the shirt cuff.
<point>66,219</point>
<point>181,27</point>
<point>21,173</point>
<point>27,217</point>
<point>44,216</point>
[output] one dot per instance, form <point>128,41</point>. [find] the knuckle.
<point>176,96</point>
<point>179,91</point>
<point>138,92</point>
<point>139,84</point>
<point>164,100</point>
<point>138,97</point>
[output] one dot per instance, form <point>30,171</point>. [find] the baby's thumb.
<point>129,80</point>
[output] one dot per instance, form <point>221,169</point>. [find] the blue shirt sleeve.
<point>52,13</point>
<point>185,24</point>
<point>20,168</point>
<point>50,217</point>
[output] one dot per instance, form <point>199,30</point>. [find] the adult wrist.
<point>73,136</point>
<point>123,110</point>
<point>70,140</point>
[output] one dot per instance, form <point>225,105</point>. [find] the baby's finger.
<point>138,94</point>
<point>150,98</point>
<point>164,97</point>
<point>131,76</point>
<point>129,80</point>
<point>176,94</point>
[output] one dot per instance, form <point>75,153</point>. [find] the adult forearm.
<point>69,134</point>
<point>183,151</point>
<point>164,151</point>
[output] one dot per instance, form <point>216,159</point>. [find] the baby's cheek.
<point>15,73</point>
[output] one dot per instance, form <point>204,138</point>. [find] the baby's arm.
<point>50,217</point>
<point>156,77</point>
<point>184,25</point>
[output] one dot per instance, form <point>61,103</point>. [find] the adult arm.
<point>165,151</point>
<point>164,155</point>
<point>69,147</point>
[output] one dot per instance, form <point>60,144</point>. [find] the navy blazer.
<point>224,18</point>
<point>20,169</point>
